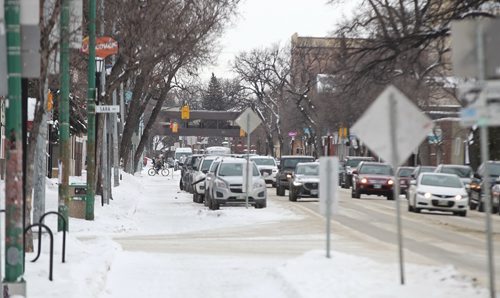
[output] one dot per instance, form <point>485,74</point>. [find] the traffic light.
<point>185,112</point>
<point>175,127</point>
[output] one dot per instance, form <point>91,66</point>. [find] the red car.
<point>372,178</point>
<point>404,176</point>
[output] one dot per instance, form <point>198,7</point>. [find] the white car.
<point>226,185</point>
<point>267,167</point>
<point>438,191</point>
<point>199,178</point>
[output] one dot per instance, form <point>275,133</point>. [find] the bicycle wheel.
<point>151,172</point>
<point>165,172</point>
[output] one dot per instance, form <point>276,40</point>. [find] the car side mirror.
<point>279,167</point>
<point>204,171</point>
<point>355,172</point>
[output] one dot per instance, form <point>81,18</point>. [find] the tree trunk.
<point>149,126</point>
<point>133,117</point>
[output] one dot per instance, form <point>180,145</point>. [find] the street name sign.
<point>248,120</point>
<point>410,126</point>
<point>107,109</point>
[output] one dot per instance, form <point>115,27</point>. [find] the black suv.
<point>350,164</point>
<point>285,171</point>
<point>476,199</point>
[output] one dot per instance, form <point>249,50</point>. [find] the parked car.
<point>305,181</point>
<point>404,177</point>
<point>421,169</point>
<point>477,186</point>
<point>285,171</point>
<point>189,168</point>
<point>495,195</point>
<point>341,171</point>
<point>372,178</point>
<point>199,178</point>
<point>438,191</point>
<point>350,164</point>
<point>463,172</point>
<point>209,178</point>
<point>226,185</point>
<point>267,168</point>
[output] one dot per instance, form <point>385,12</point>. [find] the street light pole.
<point>14,246</point>
<point>64,118</point>
<point>89,212</point>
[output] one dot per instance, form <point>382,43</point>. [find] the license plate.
<point>443,203</point>
<point>266,174</point>
<point>377,186</point>
<point>314,191</point>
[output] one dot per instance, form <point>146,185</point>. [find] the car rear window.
<point>291,163</point>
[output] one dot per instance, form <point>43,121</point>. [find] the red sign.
<point>104,46</point>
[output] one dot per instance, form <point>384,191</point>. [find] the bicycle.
<point>163,171</point>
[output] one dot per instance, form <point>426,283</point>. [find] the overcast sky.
<point>262,23</point>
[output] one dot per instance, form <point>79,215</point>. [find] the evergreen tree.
<point>214,96</point>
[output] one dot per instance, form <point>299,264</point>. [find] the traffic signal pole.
<point>64,119</point>
<point>14,246</point>
<point>89,211</point>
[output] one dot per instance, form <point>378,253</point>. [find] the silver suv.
<point>226,185</point>
<point>267,167</point>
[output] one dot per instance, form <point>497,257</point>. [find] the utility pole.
<point>89,212</point>
<point>64,118</point>
<point>14,246</point>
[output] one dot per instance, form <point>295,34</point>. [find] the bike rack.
<point>40,233</point>
<point>51,261</point>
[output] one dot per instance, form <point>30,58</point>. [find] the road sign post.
<point>328,175</point>
<point>388,117</point>
<point>475,47</point>
<point>248,121</point>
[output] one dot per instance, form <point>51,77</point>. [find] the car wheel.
<point>181,186</point>
<point>410,208</point>
<point>195,197</point>
<point>417,210</point>
<point>472,205</point>
<point>390,197</point>
<point>355,193</point>
<point>291,195</point>
<point>480,208</point>
<point>261,205</point>
<point>280,190</point>
<point>215,205</point>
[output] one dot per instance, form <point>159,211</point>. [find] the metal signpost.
<point>387,116</point>
<point>475,54</point>
<point>248,121</point>
<point>328,196</point>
